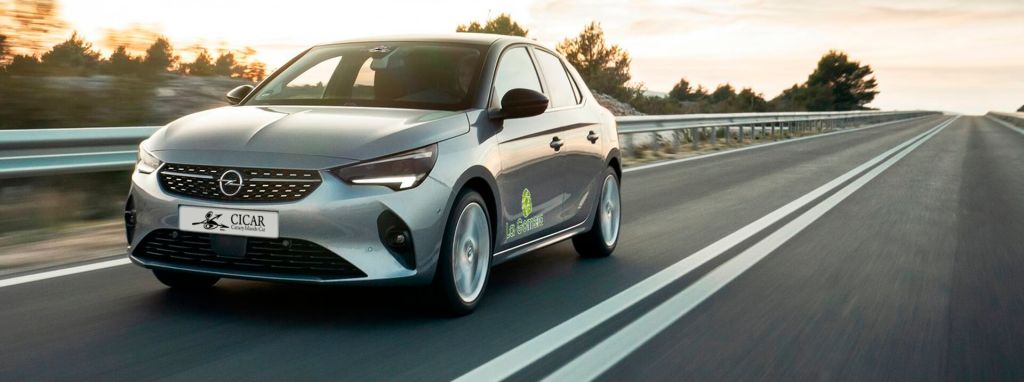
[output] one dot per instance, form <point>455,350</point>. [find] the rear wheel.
<point>465,261</point>
<point>185,281</point>
<point>602,239</point>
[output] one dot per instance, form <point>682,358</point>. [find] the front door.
<point>530,180</point>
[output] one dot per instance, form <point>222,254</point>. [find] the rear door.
<point>531,177</point>
<point>581,158</point>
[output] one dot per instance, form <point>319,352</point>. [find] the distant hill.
<point>652,93</point>
<point>1021,109</point>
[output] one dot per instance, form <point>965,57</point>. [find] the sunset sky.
<point>962,56</point>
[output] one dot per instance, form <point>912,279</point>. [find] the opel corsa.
<point>406,160</point>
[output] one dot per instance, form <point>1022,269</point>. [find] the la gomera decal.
<point>526,223</point>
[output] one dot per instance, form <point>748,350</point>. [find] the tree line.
<point>51,80</point>
<point>34,48</point>
<point>836,84</point>
<point>77,57</point>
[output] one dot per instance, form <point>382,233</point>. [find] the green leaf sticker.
<point>527,203</point>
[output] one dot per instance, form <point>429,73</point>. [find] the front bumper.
<point>339,217</point>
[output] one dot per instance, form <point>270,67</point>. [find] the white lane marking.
<point>681,160</point>
<point>609,352</point>
<point>1007,124</point>
<point>534,349</point>
<point>62,272</point>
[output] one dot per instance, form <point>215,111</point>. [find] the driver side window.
<point>515,70</point>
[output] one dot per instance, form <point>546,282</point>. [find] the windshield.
<point>380,74</point>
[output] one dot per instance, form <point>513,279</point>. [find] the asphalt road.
<point>912,275</point>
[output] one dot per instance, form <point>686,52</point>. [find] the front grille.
<point>280,256</point>
<point>258,184</point>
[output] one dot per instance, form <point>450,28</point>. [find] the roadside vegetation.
<point>52,77</point>
<point>49,81</point>
<point>837,83</point>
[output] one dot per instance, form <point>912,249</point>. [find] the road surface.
<point>890,253</point>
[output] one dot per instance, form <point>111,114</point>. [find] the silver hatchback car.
<point>403,160</point>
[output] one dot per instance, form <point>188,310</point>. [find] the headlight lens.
<point>147,163</point>
<point>401,171</point>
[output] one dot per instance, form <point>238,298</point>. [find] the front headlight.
<point>147,163</point>
<point>398,172</point>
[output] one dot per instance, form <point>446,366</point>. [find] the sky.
<point>959,56</point>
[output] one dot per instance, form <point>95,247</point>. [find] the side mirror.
<point>521,103</point>
<point>237,94</point>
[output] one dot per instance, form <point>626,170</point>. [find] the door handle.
<point>592,137</point>
<point>556,143</point>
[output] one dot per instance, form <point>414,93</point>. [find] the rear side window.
<point>560,90</point>
<point>515,71</point>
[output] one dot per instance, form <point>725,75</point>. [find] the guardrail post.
<point>714,135</point>
<point>628,145</point>
<point>695,138</point>
<point>675,140</point>
<point>741,134</point>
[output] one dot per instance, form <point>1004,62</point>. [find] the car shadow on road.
<point>311,304</point>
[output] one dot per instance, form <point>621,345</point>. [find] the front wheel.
<point>465,260</point>
<point>602,239</point>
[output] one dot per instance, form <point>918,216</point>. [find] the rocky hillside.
<point>615,106</point>
<point>59,102</point>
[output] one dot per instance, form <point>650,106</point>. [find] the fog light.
<point>397,238</point>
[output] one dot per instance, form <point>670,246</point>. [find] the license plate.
<point>228,221</point>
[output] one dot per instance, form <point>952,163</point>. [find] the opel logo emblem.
<point>230,183</point>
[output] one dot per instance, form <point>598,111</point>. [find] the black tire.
<point>591,244</point>
<point>444,289</point>
<point>185,281</point>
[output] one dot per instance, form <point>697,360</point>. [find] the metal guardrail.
<point>38,152</point>
<point>694,128</point>
<point>1016,119</point>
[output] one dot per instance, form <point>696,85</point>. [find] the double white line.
<point>608,352</point>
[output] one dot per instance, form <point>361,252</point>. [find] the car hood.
<point>351,133</point>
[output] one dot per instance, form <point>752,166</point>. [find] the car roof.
<point>463,38</point>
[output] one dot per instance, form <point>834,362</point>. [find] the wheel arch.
<point>614,161</point>
<point>480,180</point>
